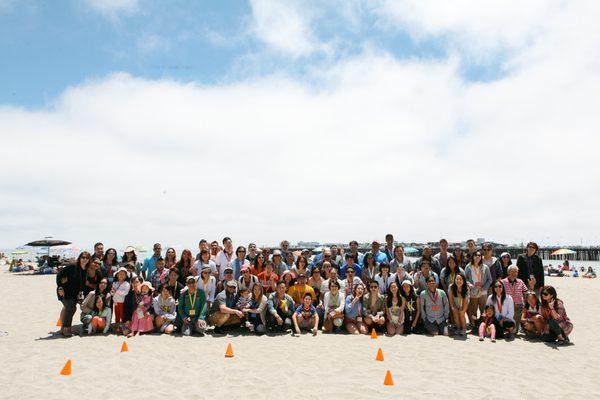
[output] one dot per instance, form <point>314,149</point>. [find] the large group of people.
<point>453,292</point>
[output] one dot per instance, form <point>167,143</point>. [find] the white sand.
<point>326,366</point>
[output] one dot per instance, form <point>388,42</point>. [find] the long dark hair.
<point>526,306</point>
<point>83,253</point>
<point>133,258</point>
<point>411,295</point>
<point>552,292</point>
<point>115,262</point>
<point>503,296</point>
<point>464,290</point>
<point>255,262</point>
<point>369,255</point>
<point>99,296</point>
<point>472,260</point>
<point>389,294</point>
<point>447,268</point>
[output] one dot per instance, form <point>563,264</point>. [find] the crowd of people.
<point>339,290</point>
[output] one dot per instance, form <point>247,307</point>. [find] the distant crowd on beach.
<point>339,290</point>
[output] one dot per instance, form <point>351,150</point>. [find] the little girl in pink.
<point>142,321</point>
<point>487,324</point>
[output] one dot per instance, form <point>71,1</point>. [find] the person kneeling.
<point>191,309</point>
<point>280,307</point>
<point>306,316</point>
<point>223,311</point>
<point>434,308</point>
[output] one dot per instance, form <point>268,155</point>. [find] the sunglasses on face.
<point>374,287</point>
<point>498,286</point>
<point>85,258</point>
<point>350,272</point>
<point>545,294</point>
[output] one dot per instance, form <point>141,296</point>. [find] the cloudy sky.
<point>134,121</point>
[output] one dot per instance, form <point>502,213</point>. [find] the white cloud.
<point>285,26</point>
<point>383,145</point>
<point>479,27</point>
<point>113,8</point>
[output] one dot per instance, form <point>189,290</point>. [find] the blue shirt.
<point>237,266</point>
<point>149,266</point>
<point>380,257</point>
<point>306,313</point>
<point>357,271</point>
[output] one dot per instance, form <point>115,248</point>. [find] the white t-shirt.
<point>222,262</point>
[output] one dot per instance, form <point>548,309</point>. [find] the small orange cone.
<point>373,334</point>
<point>66,369</point>
<point>379,355</point>
<point>229,352</point>
<point>124,347</point>
<point>59,323</point>
<point>388,381</point>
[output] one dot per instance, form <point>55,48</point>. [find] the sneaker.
<point>445,331</point>
<point>186,331</point>
<point>493,340</point>
<point>480,339</point>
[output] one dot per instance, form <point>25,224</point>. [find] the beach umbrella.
<point>562,252</point>
<point>48,243</point>
<point>409,250</point>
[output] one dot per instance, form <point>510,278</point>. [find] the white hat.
<point>129,249</point>
<point>408,282</point>
<point>148,284</point>
<point>119,270</point>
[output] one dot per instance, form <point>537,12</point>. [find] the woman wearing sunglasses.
<point>504,310</point>
<point>558,325</point>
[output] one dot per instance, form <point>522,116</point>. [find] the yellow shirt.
<point>297,293</point>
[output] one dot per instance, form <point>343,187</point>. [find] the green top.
<point>192,306</point>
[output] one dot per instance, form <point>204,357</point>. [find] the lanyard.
<point>499,306</point>
<point>192,302</point>
<point>434,297</point>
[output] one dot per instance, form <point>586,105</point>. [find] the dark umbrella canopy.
<point>48,243</point>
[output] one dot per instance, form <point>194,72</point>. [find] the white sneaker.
<point>445,331</point>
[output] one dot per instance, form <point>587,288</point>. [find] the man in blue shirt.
<point>350,262</point>
<point>378,256</point>
<point>150,263</point>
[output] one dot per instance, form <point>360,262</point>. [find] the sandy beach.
<point>326,366</point>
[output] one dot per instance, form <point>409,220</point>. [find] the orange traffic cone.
<point>66,369</point>
<point>124,347</point>
<point>229,352</point>
<point>379,355</point>
<point>373,334</point>
<point>388,381</point>
<point>59,323</point>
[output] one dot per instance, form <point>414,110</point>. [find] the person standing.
<point>225,257</point>
<point>98,251</point>
<point>378,256</point>
<point>388,250</point>
<point>442,257</point>
<point>516,289</point>
<point>150,262</point>
<point>399,261</point>
<point>531,268</point>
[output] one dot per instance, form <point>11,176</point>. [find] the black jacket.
<point>537,270</point>
<point>74,276</point>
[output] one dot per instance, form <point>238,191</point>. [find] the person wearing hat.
<point>299,289</point>
<point>227,277</point>
<point>208,283</point>
<point>280,309</point>
<point>223,312</point>
<point>130,258</point>
<point>412,308</point>
<point>172,282</point>
<point>279,267</point>
<point>378,256</point>
<point>191,309</point>
<point>499,270</point>
<point>246,280</point>
<point>150,262</point>
<point>142,320</point>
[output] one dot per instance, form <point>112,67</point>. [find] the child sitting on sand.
<point>531,320</point>
<point>487,324</point>
<point>243,303</point>
<point>306,316</point>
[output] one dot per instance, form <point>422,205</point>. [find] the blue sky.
<point>305,120</point>
<point>48,46</point>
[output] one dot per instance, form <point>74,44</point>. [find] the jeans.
<point>272,322</point>
<point>70,306</point>
<point>555,332</point>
